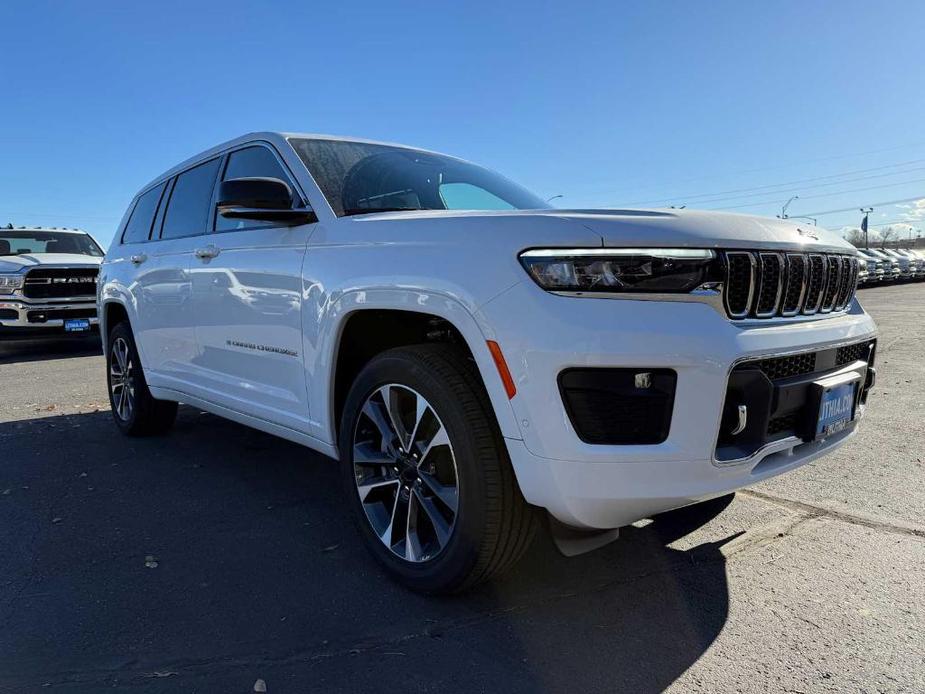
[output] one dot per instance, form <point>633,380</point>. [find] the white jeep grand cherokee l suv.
<point>471,356</point>
<point>47,281</point>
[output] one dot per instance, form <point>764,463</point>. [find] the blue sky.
<point>609,103</point>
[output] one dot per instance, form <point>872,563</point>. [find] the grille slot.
<point>740,283</point>
<point>60,283</point>
<point>795,286</point>
<point>764,284</point>
<point>832,278</point>
<point>769,285</point>
<point>849,282</point>
<point>815,284</point>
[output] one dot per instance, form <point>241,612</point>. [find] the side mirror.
<point>265,199</point>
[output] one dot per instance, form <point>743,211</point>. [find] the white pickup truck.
<point>47,281</point>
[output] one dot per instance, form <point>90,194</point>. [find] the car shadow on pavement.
<point>22,350</point>
<point>217,555</point>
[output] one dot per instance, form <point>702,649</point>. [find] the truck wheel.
<point>134,410</point>
<point>426,471</point>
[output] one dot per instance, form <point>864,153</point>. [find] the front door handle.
<point>138,259</point>
<point>207,253</point>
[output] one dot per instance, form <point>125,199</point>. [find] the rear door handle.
<point>138,259</point>
<point>207,253</point>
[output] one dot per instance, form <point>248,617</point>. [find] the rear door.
<point>162,291</point>
<point>247,298</point>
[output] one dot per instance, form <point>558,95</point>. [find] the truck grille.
<point>60,283</point>
<point>766,284</point>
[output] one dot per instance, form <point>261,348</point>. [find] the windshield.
<point>23,242</point>
<point>359,178</point>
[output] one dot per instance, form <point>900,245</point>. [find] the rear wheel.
<point>427,474</point>
<point>135,411</point>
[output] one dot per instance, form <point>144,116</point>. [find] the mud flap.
<point>571,541</point>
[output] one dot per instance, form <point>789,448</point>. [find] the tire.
<point>135,411</point>
<point>445,551</point>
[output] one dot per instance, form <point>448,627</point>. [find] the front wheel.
<point>427,473</point>
<point>135,411</point>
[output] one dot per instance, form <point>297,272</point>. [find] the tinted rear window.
<point>139,224</point>
<point>188,209</point>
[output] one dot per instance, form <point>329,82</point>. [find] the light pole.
<point>783,210</point>
<point>555,197</point>
<point>866,212</point>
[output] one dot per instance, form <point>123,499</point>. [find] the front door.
<point>247,299</point>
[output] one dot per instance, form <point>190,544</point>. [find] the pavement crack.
<point>852,518</point>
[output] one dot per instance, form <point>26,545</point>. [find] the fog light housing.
<point>619,406</point>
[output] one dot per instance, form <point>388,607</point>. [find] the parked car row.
<point>890,265</point>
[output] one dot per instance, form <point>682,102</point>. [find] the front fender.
<point>322,367</point>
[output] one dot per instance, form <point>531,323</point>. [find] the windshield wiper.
<point>373,210</point>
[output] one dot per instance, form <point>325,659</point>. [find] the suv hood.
<point>16,263</point>
<point>660,228</point>
<point>699,229</point>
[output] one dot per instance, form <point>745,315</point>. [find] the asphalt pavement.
<point>221,559</point>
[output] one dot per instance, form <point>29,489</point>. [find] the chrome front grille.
<point>767,284</point>
<point>60,283</point>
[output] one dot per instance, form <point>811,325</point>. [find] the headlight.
<point>10,283</point>
<point>663,270</point>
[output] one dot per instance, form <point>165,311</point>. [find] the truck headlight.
<point>661,270</point>
<point>10,283</point>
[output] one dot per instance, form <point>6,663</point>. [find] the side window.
<point>188,208</point>
<point>248,163</point>
<point>138,227</point>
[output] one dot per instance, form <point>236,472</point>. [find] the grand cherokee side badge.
<point>262,348</point>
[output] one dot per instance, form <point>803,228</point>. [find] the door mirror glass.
<point>260,198</point>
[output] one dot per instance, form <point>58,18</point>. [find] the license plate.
<point>76,325</point>
<point>836,409</point>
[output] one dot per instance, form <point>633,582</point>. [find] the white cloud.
<point>914,212</point>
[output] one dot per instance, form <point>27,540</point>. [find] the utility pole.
<point>866,212</point>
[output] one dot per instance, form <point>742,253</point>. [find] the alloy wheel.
<point>405,473</point>
<point>122,379</point>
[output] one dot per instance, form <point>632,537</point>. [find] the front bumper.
<point>606,486</point>
<point>17,314</point>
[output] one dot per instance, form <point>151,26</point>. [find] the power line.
<point>896,221</point>
<point>764,168</point>
<point>854,208</point>
<point>686,198</point>
<point>824,195</point>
